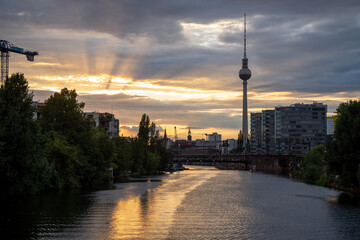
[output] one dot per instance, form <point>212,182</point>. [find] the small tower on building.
<point>189,135</point>
<point>165,135</point>
<point>166,140</point>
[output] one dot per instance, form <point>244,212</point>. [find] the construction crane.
<point>5,48</point>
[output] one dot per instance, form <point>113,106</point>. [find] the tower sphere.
<point>244,74</point>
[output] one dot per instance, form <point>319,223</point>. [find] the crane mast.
<point>5,48</point>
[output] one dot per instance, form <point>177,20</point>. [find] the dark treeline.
<point>338,162</point>
<point>63,150</point>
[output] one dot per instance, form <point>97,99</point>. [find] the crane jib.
<point>16,49</point>
<point>5,48</point>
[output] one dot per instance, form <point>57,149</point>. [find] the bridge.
<point>258,162</point>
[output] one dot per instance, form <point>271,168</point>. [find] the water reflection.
<point>150,215</point>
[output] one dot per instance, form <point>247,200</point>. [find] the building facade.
<point>300,127</point>
<point>293,129</point>
<point>268,131</point>
<point>331,125</point>
<point>255,130</point>
<point>106,121</point>
<point>232,143</point>
<point>38,106</point>
<point>214,137</point>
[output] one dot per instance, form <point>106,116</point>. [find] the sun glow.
<point>105,84</point>
<point>46,64</point>
<point>150,88</point>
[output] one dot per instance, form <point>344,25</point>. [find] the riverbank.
<point>348,195</point>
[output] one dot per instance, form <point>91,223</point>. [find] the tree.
<point>138,156</point>
<point>144,128</point>
<point>148,151</point>
<point>343,154</point>
<point>23,165</point>
<point>122,158</point>
<point>314,164</point>
<point>65,160</point>
<point>64,115</point>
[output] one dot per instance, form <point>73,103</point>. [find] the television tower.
<point>245,75</point>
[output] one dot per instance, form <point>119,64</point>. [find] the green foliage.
<point>153,162</point>
<point>64,115</point>
<point>122,155</point>
<point>23,166</point>
<point>148,152</point>
<point>164,154</point>
<point>138,156</point>
<point>312,173</point>
<point>323,180</point>
<point>343,154</point>
<point>63,150</point>
<point>144,128</point>
<point>332,157</point>
<point>315,156</point>
<point>65,160</point>
<point>314,164</point>
<point>104,146</point>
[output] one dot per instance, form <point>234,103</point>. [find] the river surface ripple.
<point>201,203</point>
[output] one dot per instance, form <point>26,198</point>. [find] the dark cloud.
<point>304,47</point>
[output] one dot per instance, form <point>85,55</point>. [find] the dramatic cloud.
<point>178,60</point>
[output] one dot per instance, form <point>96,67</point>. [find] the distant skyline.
<point>178,61</point>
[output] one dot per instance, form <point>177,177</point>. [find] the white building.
<point>232,143</point>
<point>106,121</point>
<point>331,125</point>
<point>214,137</point>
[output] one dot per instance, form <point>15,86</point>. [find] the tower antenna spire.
<point>244,35</point>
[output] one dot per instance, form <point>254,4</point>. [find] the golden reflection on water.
<point>150,215</point>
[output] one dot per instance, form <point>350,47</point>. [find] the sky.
<point>178,61</point>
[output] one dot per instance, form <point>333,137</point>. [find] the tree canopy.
<point>63,149</point>
<point>23,166</point>
<point>343,153</point>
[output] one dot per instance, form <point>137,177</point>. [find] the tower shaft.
<point>245,116</point>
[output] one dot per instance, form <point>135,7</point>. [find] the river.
<point>201,203</point>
